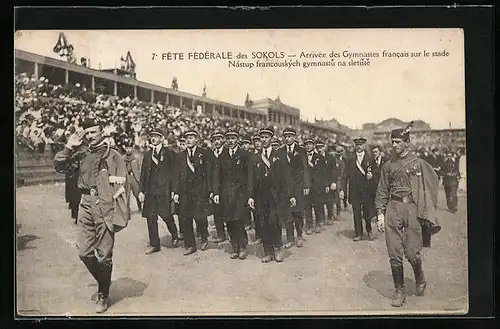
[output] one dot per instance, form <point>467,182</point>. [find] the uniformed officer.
<point>235,168</point>
<point>451,176</point>
<point>406,204</point>
<point>194,189</point>
<point>217,149</point>
<point>267,186</point>
<point>358,175</point>
<point>298,180</point>
<point>330,179</point>
<point>156,184</point>
<point>316,199</point>
<point>104,207</point>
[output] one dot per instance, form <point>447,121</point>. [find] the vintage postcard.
<point>240,172</point>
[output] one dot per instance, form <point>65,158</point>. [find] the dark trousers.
<point>450,189</point>
<point>257,221</point>
<point>219,223</point>
<point>155,202</point>
<point>238,235</point>
<point>319,212</point>
<point>296,223</point>
<point>271,237</point>
<point>188,229</point>
<point>362,212</point>
<point>333,201</point>
<point>248,220</point>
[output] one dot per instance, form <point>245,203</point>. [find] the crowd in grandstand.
<point>47,114</point>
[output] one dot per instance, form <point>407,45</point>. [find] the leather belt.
<point>404,199</point>
<point>89,191</point>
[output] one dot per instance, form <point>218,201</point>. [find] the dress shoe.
<point>267,259</point>
<point>243,254</point>
<point>257,241</point>
<point>288,245</point>
<point>358,238</point>
<point>278,256</point>
<point>235,255</point>
<point>309,231</point>
<point>152,250</point>
<point>102,303</point>
<point>300,242</point>
<point>189,251</point>
<point>175,243</point>
<point>317,229</point>
<point>204,245</point>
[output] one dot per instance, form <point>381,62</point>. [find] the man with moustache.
<point>358,175</point>
<point>218,148</point>
<point>267,187</point>
<point>133,163</point>
<point>330,179</point>
<point>194,189</point>
<point>316,199</point>
<point>156,185</point>
<point>104,206</point>
<point>234,171</point>
<point>406,203</point>
<point>298,182</point>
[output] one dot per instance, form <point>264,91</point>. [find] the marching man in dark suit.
<point>298,182</point>
<point>330,179</point>
<point>156,186</point>
<point>194,189</point>
<point>235,170</point>
<point>267,186</point>
<point>377,161</point>
<point>133,162</point>
<point>358,175</point>
<point>217,149</point>
<point>341,195</point>
<point>317,196</point>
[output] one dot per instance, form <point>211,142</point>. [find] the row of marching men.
<point>278,186</point>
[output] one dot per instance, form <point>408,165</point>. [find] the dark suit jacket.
<point>298,175</point>
<point>376,169</point>
<point>166,178</point>
<point>195,193</point>
<point>267,186</point>
<point>234,192</point>
<point>355,179</point>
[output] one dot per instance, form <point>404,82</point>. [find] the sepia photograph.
<point>247,172</point>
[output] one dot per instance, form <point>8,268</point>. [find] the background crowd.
<point>46,114</point>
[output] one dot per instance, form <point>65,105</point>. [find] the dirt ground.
<point>331,274</point>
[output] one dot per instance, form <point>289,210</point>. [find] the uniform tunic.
<point>407,190</point>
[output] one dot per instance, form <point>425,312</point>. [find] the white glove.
<point>381,223</point>
<point>293,202</point>
<point>141,196</point>
<point>216,199</point>
<point>369,175</point>
<point>333,187</point>
<point>341,194</point>
<point>251,203</point>
<point>327,189</point>
<point>176,198</point>
<point>306,191</point>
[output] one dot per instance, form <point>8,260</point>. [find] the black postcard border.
<point>477,22</point>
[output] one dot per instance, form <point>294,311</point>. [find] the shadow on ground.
<point>349,233</point>
<point>383,284</point>
<point>23,240</point>
<point>124,288</point>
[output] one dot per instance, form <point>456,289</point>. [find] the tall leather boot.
<point>399,296</point>
<point>104,282</point>
<point>421,284</point>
